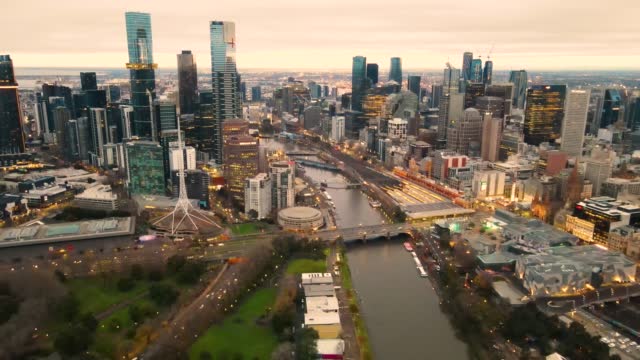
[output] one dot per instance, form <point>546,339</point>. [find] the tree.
<point>190,272</point>
<point>72,340</point>
<point>67,308</point>
<point>284,351</point>
<point>306,347</point>
<point>137,272</point>
<point>155,275</point>
<point>175,263</point>
<point>252,214</point>
<point>89,322</point>
<point>163,294</point>
<point>125,284</point>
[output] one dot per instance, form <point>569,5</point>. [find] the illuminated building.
<point>395,70</point>
<point>544,113</point>
<point>397,129</point>
<point>187,83</point>
<point>282,179</point>
<point>594,219</point>
<point>145,168</point>
<point>234,127</point>
<point>240,163</point>
<point>575,122</point>
<point>257,195</point>
<point>475,72</point>
<point>519,80</point>
<point>358,82</point>
<point>141,71</point>
<point>225,81</point>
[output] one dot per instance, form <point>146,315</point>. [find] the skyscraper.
<point>11,135</point>
<point>358,81</point>
<point>395,72</point>
<point>519,79</point>
<point>450,83</point>
<point>544,113</point>
<point>487,75</point>
<point>575,122</point>
<point>491,134</point>
<point>475,73</point>
<point>372,73</point>
<point>88,81</point>
<point>467,57</point>
<point>141,71</point>
<point>610,108</point>
<point>256,93</point>
<point>413,85</point>
<point>187,82</point>
<point>240,163</point>
<point>225,82</point>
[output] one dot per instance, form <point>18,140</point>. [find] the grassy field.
<point>96,295</point>
<point>244,229</point>
<point>240,333</point>
<point>300,266</point>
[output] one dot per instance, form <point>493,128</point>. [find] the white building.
<point>488,184</point>
<point>257,195</point>
<point>575,122</point>
<point>337,128</point>
<point>397,128</point>
<point>599,167</point>
<point>282,181</point>
<point>97,198</point>
<point>176,159</point>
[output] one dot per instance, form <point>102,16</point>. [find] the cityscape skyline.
<point>267,43</point>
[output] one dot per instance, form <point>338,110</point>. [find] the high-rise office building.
<point>471,92</point>
<point>282,178</point>
<point>575,122</point>
<point>256,93</point>
<point>205,129</point>
<point>358,82</point>
<point>187,82</point>
<point>491,136</point>
<point>61,116</point>
<point>475,73</point>
<point>519,80</point>
<point>451,82</point>
<point>98,133</point>
<point>166,116</point>
<point>240,163</point>
<point>141,71</point>
<point>225,81</point>
<point>257,195</point>
<point>54,96</point>
<point>11,134</point>
<point>465,132</point>
<point>145,168</point>
<point>451,108</point>
<point>196,183</point>
<point>467,57</point>
<point>610,108</point>
<point>88,81</point>
<point>544,113</point>
<point>372,73</point>
<point>413,85</point>
<point>487,74</point>
<point>395,71</point>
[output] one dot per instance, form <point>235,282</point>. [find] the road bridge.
<point>317,164</point>
<point>302,153</point>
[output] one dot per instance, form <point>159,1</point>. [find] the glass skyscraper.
<point>88,81</point>
<point>141,71</point>
<point>466,65</point>
<point>11,135</point>
<point>225,81</point>
<point>395,72</point>
<point>475,73</point>
<point>519,80</point>
<point>544,113</point>
<point>413,84</point>
<point>487,75</point>
<point>187,82</point>
<point>610,108</point>
<point>372,73</point>
<point>358,81</point>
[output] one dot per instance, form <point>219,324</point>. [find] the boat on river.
<point>374,203</point>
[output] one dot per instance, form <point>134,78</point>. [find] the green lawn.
<point>300,266</point>
<point>244,229</point>
<point>239,333</point>
<point>96,295</point>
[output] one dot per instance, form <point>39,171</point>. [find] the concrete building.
<point>599,167</point>
<point>397,128</point>
<point>257,195</point>
<point>488,184</point>
<point>594,219</point>
<point>300,218</point>
<point>569,270</point>
<point>185,158</point>
<point>282,175</point>
<point>97,198</point>
<point>337,128</point>
<point>491,137</point>
<point>615,187</point>
<point>575,122</point>
<point>443,160</point>
<point>465,133</point>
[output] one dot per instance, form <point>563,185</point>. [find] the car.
<point>622,347</point>
<point>612,345</point>
<point>220,244</point>
<point>604,340</point>
<point>336,273</point>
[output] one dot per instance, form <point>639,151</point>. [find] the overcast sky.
<point>326,34</point>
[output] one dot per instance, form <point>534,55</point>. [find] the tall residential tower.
<point>11,135</point>
<point>187,82</point>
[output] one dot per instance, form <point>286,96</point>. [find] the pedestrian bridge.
<point>301,153</point>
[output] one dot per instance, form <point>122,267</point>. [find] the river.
<point>401,309</point>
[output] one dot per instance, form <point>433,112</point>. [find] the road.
<point>597,327</point>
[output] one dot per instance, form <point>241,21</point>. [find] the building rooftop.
<point>321,304</point>
<point>317,278</point>
<point>330,346</point>
<point>100,192</point>
<point>321,318</point>
<point>319,290</point>
<point>70,231</point>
